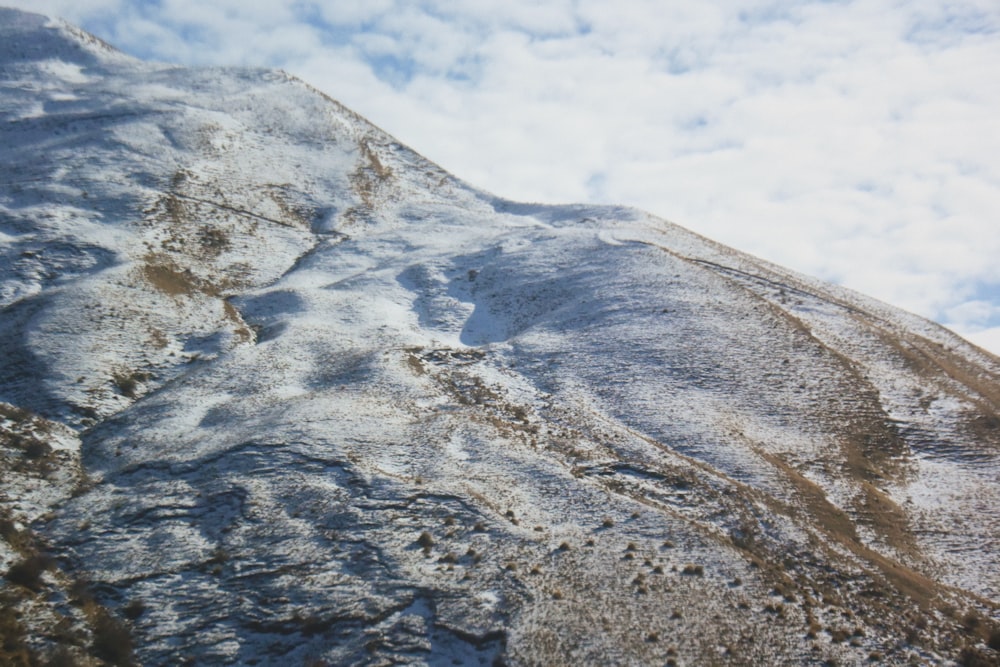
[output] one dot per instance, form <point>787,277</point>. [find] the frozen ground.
<point>313,400</point>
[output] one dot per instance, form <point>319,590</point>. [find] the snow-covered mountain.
<point>277,390</point>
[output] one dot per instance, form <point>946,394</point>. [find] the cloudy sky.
<point>857,141</point>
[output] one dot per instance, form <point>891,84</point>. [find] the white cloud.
<point>988,339</point>
<point>351,13</point>
<point>68,9</point>
<point>856,141</point>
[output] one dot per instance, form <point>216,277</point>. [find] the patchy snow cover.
<point>335,405</point>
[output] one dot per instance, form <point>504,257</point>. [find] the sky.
<point>856,141</point>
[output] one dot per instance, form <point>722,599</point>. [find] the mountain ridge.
<point>297,394</point>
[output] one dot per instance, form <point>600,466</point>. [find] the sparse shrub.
<point>62,657</point>
<point>449,521</point>
<point>778,609</point>
<point>8,530</point>
<point>557,594</point>
<point>693,570</point>
<point>79,594</point>
<point>127,383</point>
<point>14,413</point>
<point>653,637</point>
<point>37,449</point>
<point>219,556</point>
<point>112,641</point>
<point>13,647</point>
<point>676,614</point>
<point>28,572</point>
<point>971,622</point>
<point>213,240</point>
<point>608,523</point>
<point>837,635</point>
<point>479,527</point>
<point>216,560</point>
<point>564,546</point>
<point>973,657</point>
<point>134,609</point>
<point>448,558</point>
<point>425,541</point>
<point>744,537</point>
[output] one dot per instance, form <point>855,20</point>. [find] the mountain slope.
<point>302,396</point>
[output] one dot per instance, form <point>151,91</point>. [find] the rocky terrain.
<point>275,389</point>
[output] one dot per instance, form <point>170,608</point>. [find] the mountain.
<point>277,390</point>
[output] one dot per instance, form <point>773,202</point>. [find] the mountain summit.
<point>275,389</point>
